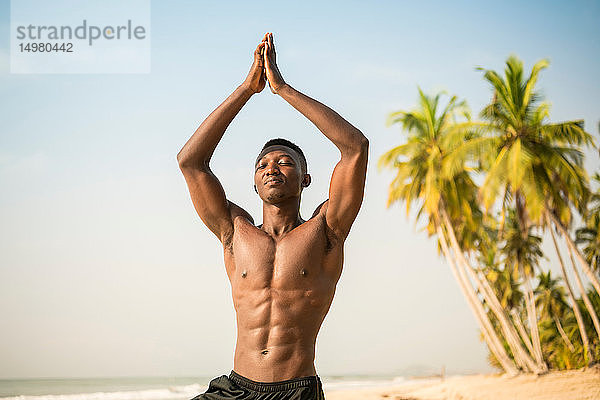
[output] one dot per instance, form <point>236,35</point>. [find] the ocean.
<point>149,388</point>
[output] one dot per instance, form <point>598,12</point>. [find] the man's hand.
<point>274,77</point>
<point>256,79</point>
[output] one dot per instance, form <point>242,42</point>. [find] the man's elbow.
<point>185,161</point>
<point>182,160</point>
<point>358,148</point>
<point>189,164</point>
<point>362,143</point>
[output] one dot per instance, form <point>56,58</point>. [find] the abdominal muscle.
<point>277,330</point>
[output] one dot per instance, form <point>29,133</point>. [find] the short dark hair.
<point>291,145</point>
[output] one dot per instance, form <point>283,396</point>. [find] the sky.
<point>105,268</point>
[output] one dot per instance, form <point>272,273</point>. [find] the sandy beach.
<point>563,385</point>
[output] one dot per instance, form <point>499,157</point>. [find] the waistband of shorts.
<point>305,381</point>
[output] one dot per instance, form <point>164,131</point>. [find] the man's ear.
<point>306,180</point>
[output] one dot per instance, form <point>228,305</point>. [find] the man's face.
<point>278,175</point>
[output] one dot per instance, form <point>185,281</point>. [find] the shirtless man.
<point>283,273</point>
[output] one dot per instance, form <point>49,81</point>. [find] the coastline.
<point>557,385</point>
<point>581,384</point>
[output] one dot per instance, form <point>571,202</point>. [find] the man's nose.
<point>272,169</point>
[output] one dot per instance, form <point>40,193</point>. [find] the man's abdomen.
<point>277,330</point>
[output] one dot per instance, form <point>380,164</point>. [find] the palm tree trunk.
<point>563,334</point>
<point>523,358</point>
<point>582,261</point>
<point>512,337</point>
<point>584,338</point>
<point>520,355</point>
<point>533,322</point>
<point>586,299</point>
<point>489,334</point>
<point>519,324</point>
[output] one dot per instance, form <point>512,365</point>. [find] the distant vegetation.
<point>532,181</point>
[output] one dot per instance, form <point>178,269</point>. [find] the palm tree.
<point>589,236</point>
<point>507,289</point>
<point>550,299</point>
<point>535,163</point>
<point>419,180</point>
<point>557,352</point>
<point>487,329</point>
<point>587,354</point>
<point>521,251</point>
<point>584,297</point>
<point>470,239</point>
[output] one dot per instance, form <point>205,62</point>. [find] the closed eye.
<point>286,161</point>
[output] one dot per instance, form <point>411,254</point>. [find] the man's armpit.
<point>237,211</point>
<point>331,238</point>
<point>321,208</point>
<point>234,211</point>
<point>227,240</point>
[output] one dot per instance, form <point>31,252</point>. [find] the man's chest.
<point>301,255</point>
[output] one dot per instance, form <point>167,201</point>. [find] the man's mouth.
<point>274,181</point>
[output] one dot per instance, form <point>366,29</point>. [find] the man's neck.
<point>280,218</point>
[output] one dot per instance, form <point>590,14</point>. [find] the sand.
<point>560,385</point>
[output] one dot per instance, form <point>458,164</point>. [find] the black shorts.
<point>236,386</point>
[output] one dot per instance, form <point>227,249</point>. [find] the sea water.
<point>150,388</point>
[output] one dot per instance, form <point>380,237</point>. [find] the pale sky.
<point>105,268</point>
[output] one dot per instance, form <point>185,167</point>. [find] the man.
<point>283,273</point>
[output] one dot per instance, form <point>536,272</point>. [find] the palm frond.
<point>540,65</point>
<point>569,132</point>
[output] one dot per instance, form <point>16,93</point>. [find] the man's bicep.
<point>346,192</point>
<point>209,200</point>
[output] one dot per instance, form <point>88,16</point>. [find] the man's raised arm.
<point>205,189</point>
<point>348,180</point>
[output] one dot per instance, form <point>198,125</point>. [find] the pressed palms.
<point>419,180</point>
